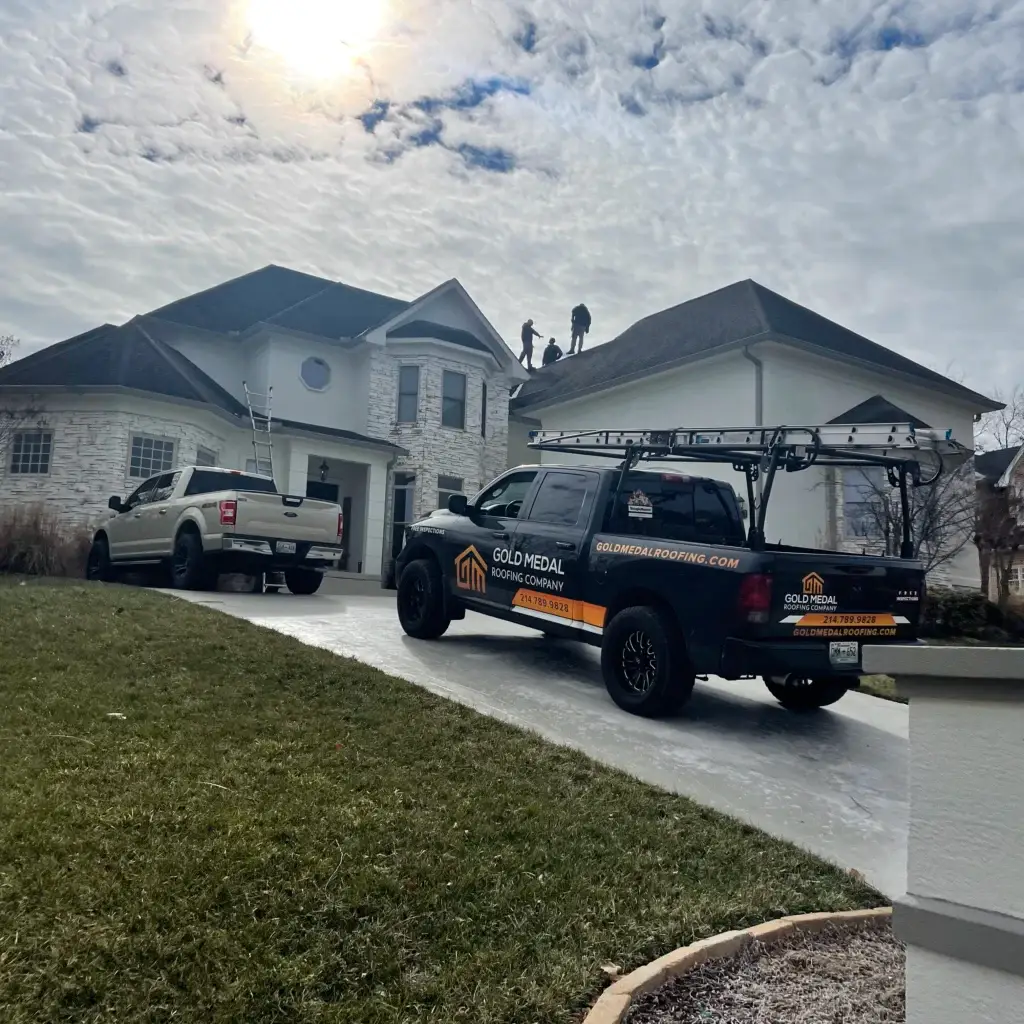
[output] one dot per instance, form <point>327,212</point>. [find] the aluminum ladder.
<point>259,415</point>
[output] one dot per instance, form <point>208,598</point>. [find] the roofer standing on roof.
<point>528,334</point>
<point>551,354</point>
<point>580,326</point>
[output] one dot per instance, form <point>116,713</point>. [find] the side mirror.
<point>458,504</point>
<point>115,504</point>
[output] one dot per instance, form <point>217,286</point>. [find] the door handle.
<point>163,511</point>
<point>138,515</point>
<point>500,534</point>
<point>565,545</point>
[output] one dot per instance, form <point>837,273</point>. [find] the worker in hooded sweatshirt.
<point>527,335</point>
<point>552,353</point>
<point>580,326</point>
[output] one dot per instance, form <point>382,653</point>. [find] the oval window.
<point>315,373</point>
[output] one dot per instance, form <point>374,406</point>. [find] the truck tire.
<point>798,694</point>
<point>98,567</point>
<point>421,600</point>
<point>644,663</point>
<point>303,581</point>
<point>190,569</point>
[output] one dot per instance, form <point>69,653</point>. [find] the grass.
<point>881,686</point>
<point>275,834</point>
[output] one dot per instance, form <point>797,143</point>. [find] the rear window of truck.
<point>668,506</point>
<point>206,481</point>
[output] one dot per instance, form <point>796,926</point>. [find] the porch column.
<point>376,504</point>
<point>963,916</point>
<point>298,470</point>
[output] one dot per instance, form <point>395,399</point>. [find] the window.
<point>504,498</point>
<point>315,373</point>
<point>561,499</point>
<point>142,494</point>
<point>164,486</point>
<point>483,409</point>
<point>251,467</point>
<point>204,481</point>
<point>404,494</point>
<point>150,456</point>
<point>30,451</point>
<point>446,487</point>
<point>674,507</point>
<point>408,393</point>
<point>205,457</point>
<point>1016,573</point>
<point>864,492</point>
<point>453,400</point>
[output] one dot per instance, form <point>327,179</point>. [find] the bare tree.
<point>942,514</point>
<point>1003,428</point>
<point>15,415</point>
<point>999,535</point>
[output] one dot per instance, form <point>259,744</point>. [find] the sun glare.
<point>318,38</point>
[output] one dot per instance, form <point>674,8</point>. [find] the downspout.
<point>758,404</point>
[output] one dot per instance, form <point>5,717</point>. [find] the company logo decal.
<point>813,584</point>
<point>639,506</point>
<point>471,570</point>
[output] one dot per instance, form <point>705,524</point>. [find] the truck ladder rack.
<point>760,451</point>
<point>259,416</point>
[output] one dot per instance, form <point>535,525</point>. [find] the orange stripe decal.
<point>560,607</point>
<point>838,619</point>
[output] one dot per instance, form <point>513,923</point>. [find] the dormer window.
<point>315,373</point>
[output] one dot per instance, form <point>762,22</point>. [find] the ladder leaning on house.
<point>259,416</point>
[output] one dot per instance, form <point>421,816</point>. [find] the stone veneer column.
<point>963,915</point>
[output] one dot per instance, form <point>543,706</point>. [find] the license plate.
<point>843,652</point>
<point>287,547</point>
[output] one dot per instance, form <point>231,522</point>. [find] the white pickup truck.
<point>199,522</point>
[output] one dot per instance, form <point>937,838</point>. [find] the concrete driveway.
<point>832,782</point>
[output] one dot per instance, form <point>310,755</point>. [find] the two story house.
<point>384,405</point>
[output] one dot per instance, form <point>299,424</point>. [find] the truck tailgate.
<point>287,517</point>
<point>835,596</point>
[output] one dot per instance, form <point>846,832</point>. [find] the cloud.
<point>862,157</point>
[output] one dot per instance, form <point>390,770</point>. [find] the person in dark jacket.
<point>552,353</point>
<point>527,335</point>
<point>580,326</point>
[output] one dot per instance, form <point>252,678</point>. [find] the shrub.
<point>957,614</point>
<point>34,542</point>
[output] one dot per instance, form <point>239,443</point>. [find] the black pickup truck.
<point>658,570</point>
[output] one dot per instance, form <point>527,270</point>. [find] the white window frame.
<point>398,392</point>
<point>202,450</point>
<point>1016,574</point>
<point>465,397</point>
<point>153,471</point>
<point>45,442</point>
<point>305,383</point>
<point>872,532</point>
<point>410,486</point>
<point>444,493</point>
<point>483,409</point>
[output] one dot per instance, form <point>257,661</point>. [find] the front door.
<point>483,570</point>
<point>549,543</point>
<point>154,539</point>
<point>125,529</point>
<point>322,491</point>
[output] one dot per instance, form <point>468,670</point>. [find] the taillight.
<point>228,512</point>
<point>341,523</point>
<point>755,598</point>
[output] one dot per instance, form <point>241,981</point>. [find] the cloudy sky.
<point>864,158</point>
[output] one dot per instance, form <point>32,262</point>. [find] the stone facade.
<point>474,456</point>
<point>89,459</point>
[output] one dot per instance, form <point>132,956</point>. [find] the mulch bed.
<point>832,977</point>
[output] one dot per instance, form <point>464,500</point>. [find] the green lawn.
<point>275,834</point>
<point>881,686</point>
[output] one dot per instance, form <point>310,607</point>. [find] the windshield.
<point>669,506</point>
<point>207,481</point>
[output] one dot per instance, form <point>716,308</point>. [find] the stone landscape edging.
<point>613,1003</point>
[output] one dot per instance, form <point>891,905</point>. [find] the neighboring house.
<point>381,404</point>
<point>1000,479</point>
<point>746,355</point>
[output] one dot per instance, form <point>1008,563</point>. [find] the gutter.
<point>758,404</point>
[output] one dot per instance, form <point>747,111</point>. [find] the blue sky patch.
<point>526,37</point>
<point>489,158</point>
<point>373,117</point>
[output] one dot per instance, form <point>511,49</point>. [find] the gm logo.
<point>471,570</point>
<point>813,584</point>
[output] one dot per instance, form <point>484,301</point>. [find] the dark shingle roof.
<point>739,313</point>
<point>878,409</point>
<point>123,357</point>
<point>133,357</point>
<point>288,298</point>
<point>992,465</point>
<point>427,329</point>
